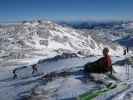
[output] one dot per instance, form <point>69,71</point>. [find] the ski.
<point>99,93</point>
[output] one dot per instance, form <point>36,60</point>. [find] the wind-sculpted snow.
<point>21,87</point>
<point>71,86</point>
<point>63,86</point>
<point>37,39</point>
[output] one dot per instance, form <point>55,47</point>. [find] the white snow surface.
<point>37,39</point>
<point>60,88</point>
<point>26,43</point>
<point>73,86</point>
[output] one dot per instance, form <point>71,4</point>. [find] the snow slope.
<point>25,43</point>
<point>32,40</point>
<point>27,83</point>
<point>67,88</point>
<point>127,41</point>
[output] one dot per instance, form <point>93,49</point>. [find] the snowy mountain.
<point>30,41</point>
<point>126,41</point>
<point>115,29</point>
<point>34,39</point>
<point>128,25</point>
<point>120,32</point>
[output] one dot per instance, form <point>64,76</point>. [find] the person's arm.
<point>109,64</point>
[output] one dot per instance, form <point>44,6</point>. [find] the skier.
<point>102,65</point>
<point>124,52</point>
<point>14,74</point>
<point>34,68</point>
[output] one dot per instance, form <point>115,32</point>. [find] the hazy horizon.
<point>66,10</point>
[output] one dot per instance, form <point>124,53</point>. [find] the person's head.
<point>105,51</point>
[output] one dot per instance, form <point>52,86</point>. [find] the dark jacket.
<point>102,65</point>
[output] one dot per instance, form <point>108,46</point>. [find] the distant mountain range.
<point>95,24</point>
<point>116,31</point>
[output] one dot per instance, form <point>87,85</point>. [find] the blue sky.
<point>12,10</point>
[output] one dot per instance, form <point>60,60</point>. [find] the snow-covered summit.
<point>29,38</point>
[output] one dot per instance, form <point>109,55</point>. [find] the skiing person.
<point>124,52</point>
<point>34,68</point>
<point>102,65</point>
<point>14,74</point>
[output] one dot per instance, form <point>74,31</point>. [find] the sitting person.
<point>102,65</point>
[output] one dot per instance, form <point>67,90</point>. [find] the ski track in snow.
<point>16,89</point>
<point>51,36</point>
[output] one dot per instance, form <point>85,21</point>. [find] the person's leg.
<point>87,67</point>
<point>14,74</point>
<point>36,69</point>
<point>33,70</point>
<point>94,67</point>
<point>91,68</point>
